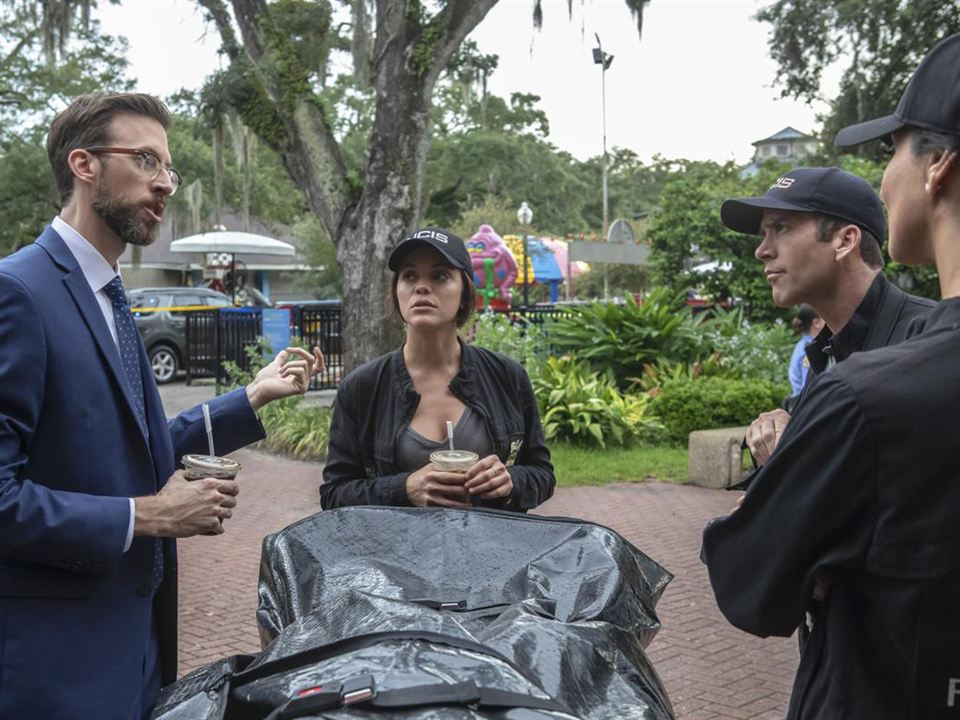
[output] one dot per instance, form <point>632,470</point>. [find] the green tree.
<point>44,61</point>
<point>687,228</point>
<point>883,39</point>
<point>276,77</point>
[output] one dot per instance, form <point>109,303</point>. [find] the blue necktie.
<point>129,344</point>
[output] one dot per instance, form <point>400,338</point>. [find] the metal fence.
<point>214,337</point>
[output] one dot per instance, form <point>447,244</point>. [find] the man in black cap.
<point>821,230</point>
<point>861,496</point>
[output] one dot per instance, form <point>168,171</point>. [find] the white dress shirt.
<point>98,274</point>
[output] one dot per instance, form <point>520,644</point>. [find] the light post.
<point>603,60</point>
<point>524,217</point>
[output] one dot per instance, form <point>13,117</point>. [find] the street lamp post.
<point>524,217</point>
<point>603,60</point>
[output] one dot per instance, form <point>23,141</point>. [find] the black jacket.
<point>886,316</point>
<point>376,402</point>
<point>863,492</point>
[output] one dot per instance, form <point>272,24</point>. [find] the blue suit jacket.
<point>75,609</point>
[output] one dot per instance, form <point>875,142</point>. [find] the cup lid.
<point>210,462</point>
<point>455,456</point>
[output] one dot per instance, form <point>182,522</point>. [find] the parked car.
<point>159,315</point>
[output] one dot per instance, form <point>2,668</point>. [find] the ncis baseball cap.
<point>827,191</point>
<point>443,241</point>
<point>930,102</point>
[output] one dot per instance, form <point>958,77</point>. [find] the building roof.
<point>788,133</point>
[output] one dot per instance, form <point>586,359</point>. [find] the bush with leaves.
<point>520,340</point>
<point>586,408</point>
<point>292,428</point>
<point>625,338</point>
<point>745,350</point>
<point>684,404</point>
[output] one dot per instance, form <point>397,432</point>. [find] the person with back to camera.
<point>809,325</point>
<point>858,505</point>
<point>391,413</point>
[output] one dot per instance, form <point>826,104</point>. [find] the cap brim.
<point>866,131</point>
<point>406,246</point>
<point>743,215</point>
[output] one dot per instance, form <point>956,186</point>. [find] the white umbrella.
<point>233,242</point>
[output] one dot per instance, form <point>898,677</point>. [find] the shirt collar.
<point>851,338</point>
<point>854,333</point>
<point>93,265</point>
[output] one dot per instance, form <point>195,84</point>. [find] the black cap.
<point>930,102</point>
<point>443,241</point>
<point>826,191</point>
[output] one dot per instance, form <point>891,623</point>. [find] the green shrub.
<point>292,428</point>
<point>625,338</point>
<point>683,404</point>
<point>749,351</point>
<point>586,408</point>
<point>520,341</point>
<point>296,429</point>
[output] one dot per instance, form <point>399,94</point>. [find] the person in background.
<point>391,413</point>
<point>809,325</point>
<point>851,526</point>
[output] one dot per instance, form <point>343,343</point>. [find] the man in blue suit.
<point>89,497</point>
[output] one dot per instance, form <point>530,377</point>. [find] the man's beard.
<point>124,219</point>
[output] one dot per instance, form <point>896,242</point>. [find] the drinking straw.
<point>209,426</point>
<point>450,433</point>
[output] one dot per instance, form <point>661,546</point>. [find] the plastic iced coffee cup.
<point>457,461</point>
<point>213,466</point>
<point>454,461</point>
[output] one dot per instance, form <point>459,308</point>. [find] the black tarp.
<point>475,613</point>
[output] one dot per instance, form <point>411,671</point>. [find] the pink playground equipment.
<point>494,269</point>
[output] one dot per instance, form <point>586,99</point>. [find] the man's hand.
<point>288,374</point>
<point>186,507</point>
<point>429,487</point>
<point>764,433</point>
<point>488,479</point>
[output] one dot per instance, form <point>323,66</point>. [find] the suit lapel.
<point>79,288</point>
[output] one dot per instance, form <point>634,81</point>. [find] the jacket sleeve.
<point>74,531</point>
<point>532,473</point>
<point>234,422</point>
<point>345,478</point>
<point>807,510</point>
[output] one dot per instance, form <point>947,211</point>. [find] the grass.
<point>581,466</point>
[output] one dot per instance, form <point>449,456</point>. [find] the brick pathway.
<point>711,670</point>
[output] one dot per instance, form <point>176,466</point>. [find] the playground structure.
<point>496,270</point>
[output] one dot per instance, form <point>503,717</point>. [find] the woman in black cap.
<point>392,413</point>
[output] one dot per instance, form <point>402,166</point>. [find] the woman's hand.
<point>429,487</point>
<point>488,479</point>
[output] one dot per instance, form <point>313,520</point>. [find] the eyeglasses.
<point>149,163</point>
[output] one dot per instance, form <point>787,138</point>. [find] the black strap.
<point>543,607</point>
<point>340,647</point>
<point>462,693</point>
<point>885,320</point>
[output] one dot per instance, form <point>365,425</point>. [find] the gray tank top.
<point>413,449</point>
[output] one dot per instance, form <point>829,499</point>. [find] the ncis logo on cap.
<point>430,235</point>
<point>783,183</point>
<point>441,240</point>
